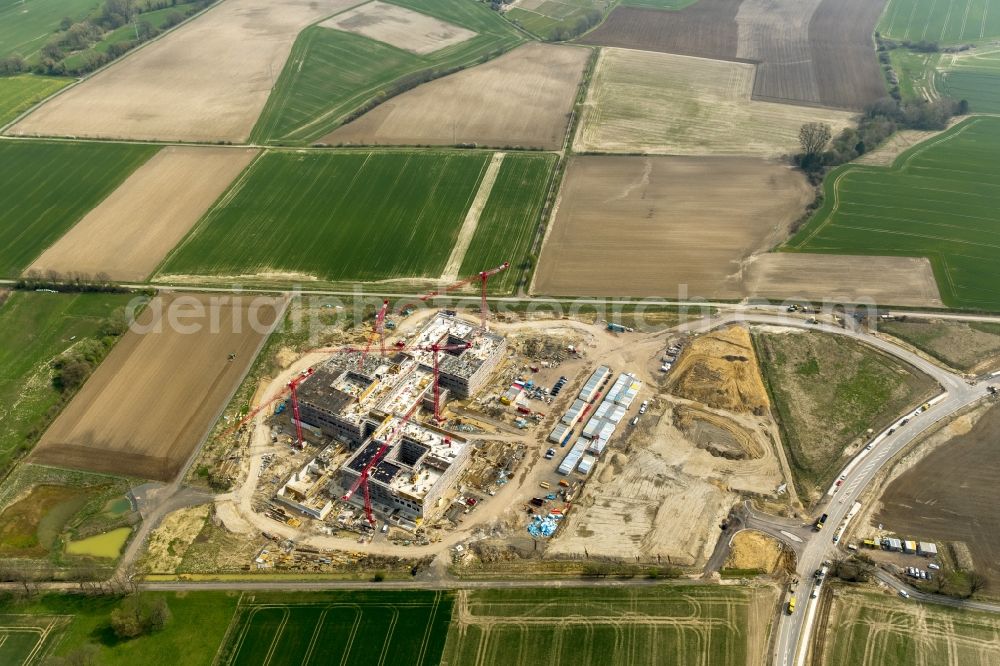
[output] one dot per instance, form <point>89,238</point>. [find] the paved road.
<point>968,604</point>
<point>794,632</point>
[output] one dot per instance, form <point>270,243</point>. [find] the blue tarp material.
<point>544,527</point>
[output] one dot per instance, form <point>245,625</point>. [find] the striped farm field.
<point>331,73</point>
<point>943,21</point>
<point>866,629</point>
<point>972,75</point>
<point>980,89</point>
<point>48,186</point>
<point>940,200</point>
<point>357,215</point>
<point>610,626</point>
<point>20,93</point>
<point>355,628</point>
<point>508,223</point>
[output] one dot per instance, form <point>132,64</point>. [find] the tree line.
<point>79,37</point>
<point>822,151</point>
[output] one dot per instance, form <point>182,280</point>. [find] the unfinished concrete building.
<point>358,400</point>
<point>412,478</point>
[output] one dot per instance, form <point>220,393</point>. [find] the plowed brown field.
<point>130,232</point>
<point>808,51</point>
<point>522,98</point>
<point>206,81</point>
<point>665,226</point>
<point>951,495</point>
<point>153,400</point>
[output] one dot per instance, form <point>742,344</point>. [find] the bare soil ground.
<point>403,28</point>
<point>809,52</point>
<point>522,98</point>
<point>152,401</point>
<point>642,101</point>
<point>665,226</point>
<point>206,81</point>
<point>706,28</point>
<point>776,34</point>
<point>130,232</point>
<point>665,494</point>
<point>719,370</point>
<point>843,52</point>
<point>754,550</point>
<point>836,278</point>
<point>170,541</point>
<point>950,495</point>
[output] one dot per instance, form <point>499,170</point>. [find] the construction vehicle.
<point>791,605</point>
<point>818,525</point>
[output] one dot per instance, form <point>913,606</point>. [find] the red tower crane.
<point>293,387</point>
<point>483,277</point>
<point>435,348</point>
<point>378,330</point>
<point>362,481</point>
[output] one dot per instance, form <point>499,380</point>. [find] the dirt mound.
<point>720,370</point>
<point>754,550</point>
<point>716,434</point>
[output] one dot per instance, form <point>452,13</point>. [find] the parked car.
<point>550,454</point>
<point>933,566</point>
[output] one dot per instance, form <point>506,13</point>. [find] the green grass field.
<point>49,185</point>
<point>35,328</point>
<point>191,638</point>
<point>26,639</point>
<point>552,14</point>
<point>336,216</point>
<point>972,75</point>
<point>601,626</point>
<point>873,629</point>
<point>942,21</point>
<point>331,73</point>
<point>962,345</point>
<point>338,628</point>
<point>362,215</point>
<point>510,219</point>
<point>981,89</point>
<point>25,25</point>
<point>157,18</point>
<point>940,199</point>
<point>20,93</point>
<point>827,390</point>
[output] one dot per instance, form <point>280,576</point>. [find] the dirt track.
<point>522,98</point>
<point>664,226</point>
<point>153,399</point>
<point>206,81</point>
<point>130,232</point>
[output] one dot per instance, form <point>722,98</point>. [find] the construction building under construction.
<point>358,399</point>
<point>413,476</point>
